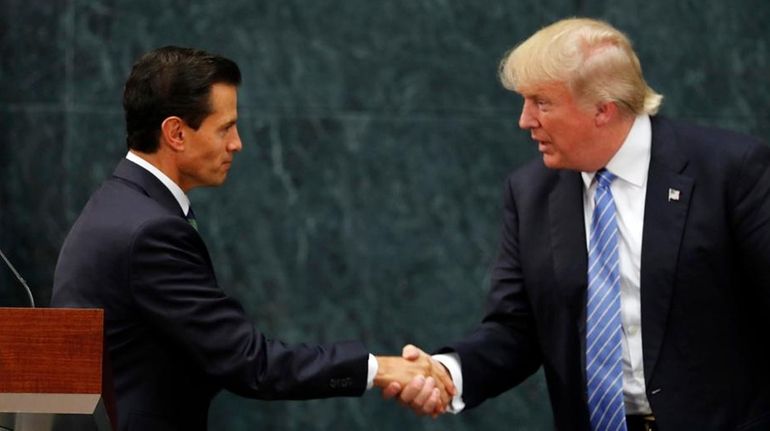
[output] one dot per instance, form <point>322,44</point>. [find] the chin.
<point>551,163</point>
<point>215,182</point>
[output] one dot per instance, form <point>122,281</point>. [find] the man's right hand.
<point>426,394</point>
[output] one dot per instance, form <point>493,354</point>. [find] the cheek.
<point>553,127</point>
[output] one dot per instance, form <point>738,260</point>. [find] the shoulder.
<point>117,227</point>
<point>128,203</point>
<point>704,143</point>
<point>717,159</point>
<point>118,212</point>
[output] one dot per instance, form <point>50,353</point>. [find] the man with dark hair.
<point>174,337</point>
<point>171,81</point>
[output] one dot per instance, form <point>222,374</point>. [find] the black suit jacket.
<point>705,286</point>
<point>174,338</point>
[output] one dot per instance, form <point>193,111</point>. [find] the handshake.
<point>417,380</point>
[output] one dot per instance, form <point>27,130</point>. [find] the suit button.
<point>341,383</point>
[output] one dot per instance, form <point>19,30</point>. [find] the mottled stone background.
<point>376,139</point>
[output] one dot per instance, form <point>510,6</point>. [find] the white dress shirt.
<point>631,165</point>
<point>184,203</point>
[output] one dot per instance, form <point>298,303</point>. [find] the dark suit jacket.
<point>705,286</point>
<point>174,338</point>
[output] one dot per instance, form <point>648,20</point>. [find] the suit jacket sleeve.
<point>174,286</point>
<point>750,215</point>
<point>503,350</point>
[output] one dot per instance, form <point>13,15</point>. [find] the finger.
<point>412,389</point>
<point>391,390</point>
<point>444,377</point>
<point>425,393</point>
<point>430,405</point>
<point>443,390</point>
<point>443,381</point>
<point>446,397</point>
<point>410,352</point>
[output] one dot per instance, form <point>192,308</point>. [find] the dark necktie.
<point>604,368</point>
<point>191,218</point>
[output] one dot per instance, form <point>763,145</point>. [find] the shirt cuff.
<point>452,363</point>
<point>373,367</point>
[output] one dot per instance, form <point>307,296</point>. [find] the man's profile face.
<point>208,151</point>
<point>562,128</point>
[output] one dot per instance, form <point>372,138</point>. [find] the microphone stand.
<point>18,277</point>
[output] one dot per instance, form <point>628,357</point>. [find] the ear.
<point>172,132</point>
<point>605,113</point>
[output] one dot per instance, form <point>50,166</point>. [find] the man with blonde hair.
<point>634,265</point>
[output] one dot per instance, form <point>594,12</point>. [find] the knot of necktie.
<point>604,177</point>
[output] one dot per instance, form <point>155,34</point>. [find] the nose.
<point>235,145</point>
<point>528,117</point>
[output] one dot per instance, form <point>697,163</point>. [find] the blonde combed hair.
<point>594,59</point>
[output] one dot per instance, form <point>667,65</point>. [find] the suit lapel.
<point>666,206</point>
<point>568,237</point>
<point>568,244</point>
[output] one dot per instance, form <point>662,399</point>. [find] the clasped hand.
<point>417,380</point>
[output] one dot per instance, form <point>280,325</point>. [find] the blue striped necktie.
<point>604,368</point>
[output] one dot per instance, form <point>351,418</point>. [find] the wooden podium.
<point>51,370</point>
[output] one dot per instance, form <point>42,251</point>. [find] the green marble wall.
<point>376,139</point>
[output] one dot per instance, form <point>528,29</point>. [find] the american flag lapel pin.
<point>673,195</point>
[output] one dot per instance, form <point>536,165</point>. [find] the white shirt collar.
<point>181,197</point>
<point>632,161</point>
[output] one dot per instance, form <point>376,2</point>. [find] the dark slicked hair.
<point>171,81</point>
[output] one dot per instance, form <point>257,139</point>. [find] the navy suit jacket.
<point>705,286</point>
<point>174,337</point>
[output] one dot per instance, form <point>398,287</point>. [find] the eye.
<point>226,129</point>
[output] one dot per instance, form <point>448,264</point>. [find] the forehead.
<point>223,99</point>
<point>223,95</point>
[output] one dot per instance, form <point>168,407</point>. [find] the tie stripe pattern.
<point>604,369</point>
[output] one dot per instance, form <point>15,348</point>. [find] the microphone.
<point>18,277</point>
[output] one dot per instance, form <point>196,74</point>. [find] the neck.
<point>164,163</point>
<point>615,135</point>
